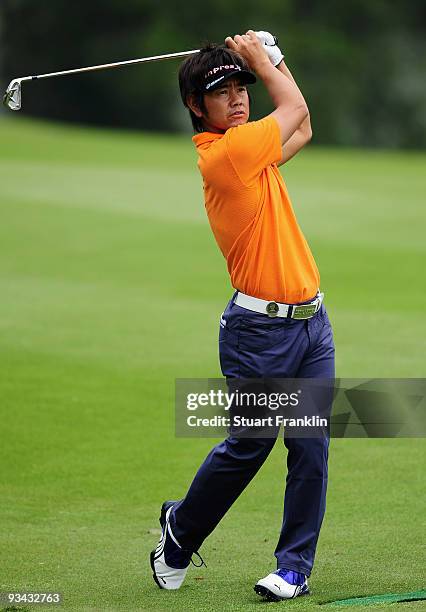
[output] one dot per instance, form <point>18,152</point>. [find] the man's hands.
<point>270,43</point>
<point>247,46</point>
<point>290,106</point>
<point>250,48</point>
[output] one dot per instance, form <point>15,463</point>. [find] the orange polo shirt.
<point>251,215</point>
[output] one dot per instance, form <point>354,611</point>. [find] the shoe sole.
<point>162,519</point>
<point>154,575</point>
<point>270,596</point>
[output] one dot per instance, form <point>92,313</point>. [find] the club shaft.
<point>142,60</point>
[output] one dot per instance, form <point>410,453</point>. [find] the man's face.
<point>227,106</point>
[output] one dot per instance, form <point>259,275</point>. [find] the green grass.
<point>111,287</point>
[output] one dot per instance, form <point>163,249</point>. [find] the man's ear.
<point>191,101</point>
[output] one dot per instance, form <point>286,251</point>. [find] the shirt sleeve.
<point>254,146</point>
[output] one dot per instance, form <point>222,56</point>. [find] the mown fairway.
<point>111,287</point>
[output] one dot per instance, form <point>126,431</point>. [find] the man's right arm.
<point>290,107</point>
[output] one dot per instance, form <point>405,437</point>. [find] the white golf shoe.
<point>278,585</point>
<point>169,561</point>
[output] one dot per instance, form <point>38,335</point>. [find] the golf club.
<point>13,96</point>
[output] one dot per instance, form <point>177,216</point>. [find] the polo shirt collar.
<point>205,137</point>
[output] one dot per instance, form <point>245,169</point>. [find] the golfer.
<point>275,324</point>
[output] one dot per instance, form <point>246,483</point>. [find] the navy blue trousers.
<point>253,345</point>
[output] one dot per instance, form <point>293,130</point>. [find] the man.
<point>264,333</point>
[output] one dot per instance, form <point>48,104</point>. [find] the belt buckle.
<point>272,309</point>
<point>304,311</point>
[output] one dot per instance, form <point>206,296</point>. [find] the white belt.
<point>275,309</point>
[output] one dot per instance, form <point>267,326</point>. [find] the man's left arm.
<point>302,135</point>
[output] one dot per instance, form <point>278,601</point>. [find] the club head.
<point>12,97</point>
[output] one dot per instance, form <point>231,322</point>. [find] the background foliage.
<point>360,64</point>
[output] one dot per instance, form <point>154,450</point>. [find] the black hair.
<point>192,75</point>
